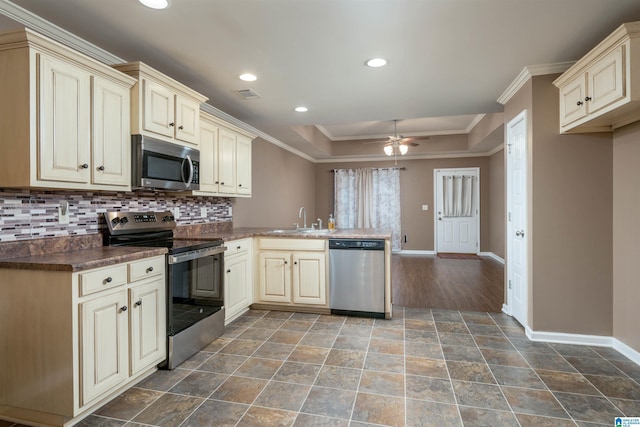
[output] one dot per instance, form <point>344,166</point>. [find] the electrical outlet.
<point>425,207</point>
<point>176,212</point>
<point>203,212</point>
<point>63,213</point>
<point>230,211</point>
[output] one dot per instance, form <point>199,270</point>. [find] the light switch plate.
<point>425,207</point>
<point>176,212</point>
<point>203,212</point>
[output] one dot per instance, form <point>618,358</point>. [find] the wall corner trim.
<point>627,351</point>
<point>506,310</point>
<point>532,71</point>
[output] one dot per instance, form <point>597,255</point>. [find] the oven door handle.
<point>191,255</point>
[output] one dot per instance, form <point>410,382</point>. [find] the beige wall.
<point>626,234</point>
<point>282,183</point>
<point>570,219</point>
<point>497,204</point>
<point>416,190</point>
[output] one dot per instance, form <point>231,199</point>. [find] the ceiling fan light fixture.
<point>376,62</point>
<point>403,149</point>
<point>155,4</point>
<point>388,150</point>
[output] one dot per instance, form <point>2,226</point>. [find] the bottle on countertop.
<point>331,224</point>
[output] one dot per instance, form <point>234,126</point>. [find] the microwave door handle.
<point>188,180</point>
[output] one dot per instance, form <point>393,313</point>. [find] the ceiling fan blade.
<point>386,141</point>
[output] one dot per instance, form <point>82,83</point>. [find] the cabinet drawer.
<point>234,247</point>
<point>144,268</point>
<point>101,279</point>
<point>293,244</point>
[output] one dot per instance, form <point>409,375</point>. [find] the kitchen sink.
<point>300,231</point>
<point>281,231</point>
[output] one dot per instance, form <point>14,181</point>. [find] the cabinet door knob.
<point>84,166</point>
<point>149,270</point>
<point>588,98</point>
<point>100,168</point>
<point>238,248</point>
<point>579,103</point>
<point>222,183</point>
<point>138,303</point>
<point>229,271</point>
<point>217,182</point>
<point>123,308</point>
<point>295,263</point>
<point>286,262</point>
<point>172,124</point>
<point>239,185</point>
<point>180,127</point>
<point>108,279</point>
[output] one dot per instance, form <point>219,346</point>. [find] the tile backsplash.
<point>32,214</point>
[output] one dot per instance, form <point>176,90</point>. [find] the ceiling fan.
<point>397,144</point>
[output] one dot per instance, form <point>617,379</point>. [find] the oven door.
<point>195,287</point>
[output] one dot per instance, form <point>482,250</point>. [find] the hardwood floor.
<point>426,281</point>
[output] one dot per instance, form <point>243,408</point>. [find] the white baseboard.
<point>629,352</point>
<point>564,338</point>
<point>414,252</point>
<point>506,310</point>
<point>492,255</point>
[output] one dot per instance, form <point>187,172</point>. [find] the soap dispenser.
<point>331,224</point>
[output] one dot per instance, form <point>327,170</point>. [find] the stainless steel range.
<point>195,279</point>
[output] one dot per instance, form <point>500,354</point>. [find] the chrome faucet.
<point>319,223</point>
<point>300,214</point>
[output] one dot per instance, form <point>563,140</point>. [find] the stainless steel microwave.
<point>158,164</point>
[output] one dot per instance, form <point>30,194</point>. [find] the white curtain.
<point>368,198</point>
<point>457,192</point>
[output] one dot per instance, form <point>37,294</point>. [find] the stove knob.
<point>124,220</point>
<point>115,221</point>
<point>167,218</point>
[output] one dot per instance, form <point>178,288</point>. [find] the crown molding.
<point>532,71</point>
<point>56,33</point>
<point>381,158</point>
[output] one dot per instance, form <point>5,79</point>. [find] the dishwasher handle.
<point>357,244</point>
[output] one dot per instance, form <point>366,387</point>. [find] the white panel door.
<point>237,284</point>
<point>64,135</point>
<point>104,326</point>
<point>517,275</point>
<point>457,234</point>
<point>309,282</point>
<point>275,276</point>
<point>111,132</point>
<point>148,324</point>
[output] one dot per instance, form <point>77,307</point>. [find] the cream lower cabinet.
<point>64,117</point>
<point>74,340</point>
<point>238,284</point>
<point>292,271</point>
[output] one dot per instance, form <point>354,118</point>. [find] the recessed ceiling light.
<point>301,109</point>
<point>376,62</point>
<point>248,77</point>
<point>155,4</point>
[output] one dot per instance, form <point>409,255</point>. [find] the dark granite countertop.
<point>81,259</point>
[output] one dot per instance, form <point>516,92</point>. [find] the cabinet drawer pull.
<point>588,98</point>
<point>149,270</point>
<point>84,166</point>
<point>579,103</point>
<point>172,124</point>
<point>138,303</point>
<point>123,308</point>
<point>100,168</point>
<point>108,279</point>
<point>180,127</point>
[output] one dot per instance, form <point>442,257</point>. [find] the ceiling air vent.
<point>248,93</point>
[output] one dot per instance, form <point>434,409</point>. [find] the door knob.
<point>520,233</point>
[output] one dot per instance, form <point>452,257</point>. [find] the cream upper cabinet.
<point>111,158</point>
<point>67,116</point>
<point>65,99</point>
<point>243,165</point>
<point>601,91</point>
<point>292,271</point>
<point>225,158</point>
<point>163,107</point>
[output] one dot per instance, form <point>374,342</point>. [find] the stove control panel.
<point>138,222</point>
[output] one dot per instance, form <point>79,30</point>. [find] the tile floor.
<point>423,368</point>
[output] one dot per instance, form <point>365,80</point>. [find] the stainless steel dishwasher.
<point>356,277</point>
